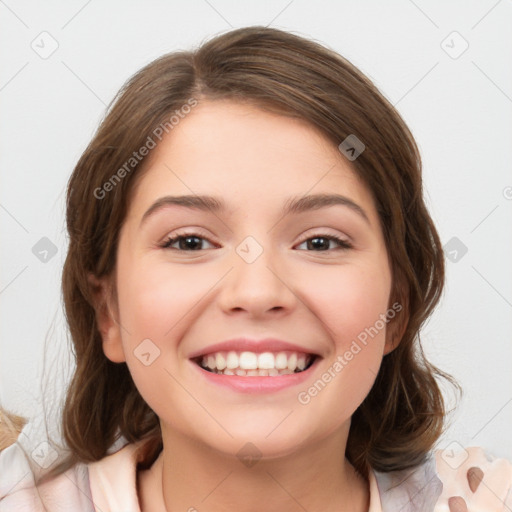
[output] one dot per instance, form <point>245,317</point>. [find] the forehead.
<point>246,133</point>
<point>246,156</point>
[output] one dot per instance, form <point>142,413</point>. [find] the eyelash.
<point>342,244</point>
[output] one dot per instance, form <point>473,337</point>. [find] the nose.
<point>258,287</point>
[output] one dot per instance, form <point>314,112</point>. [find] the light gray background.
<point>459,109</point>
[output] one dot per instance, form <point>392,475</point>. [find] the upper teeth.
<point>254,361</point>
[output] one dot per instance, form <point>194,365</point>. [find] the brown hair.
<point>403,415</point>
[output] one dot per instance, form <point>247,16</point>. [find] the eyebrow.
<point>293,205</point>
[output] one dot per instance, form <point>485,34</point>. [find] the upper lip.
<point>252,345</point>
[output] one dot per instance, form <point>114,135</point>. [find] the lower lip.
<point>257,384</point>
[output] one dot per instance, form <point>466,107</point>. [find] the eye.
<point>193,242</point>
<point>185,241</point>
<point>321,241</point>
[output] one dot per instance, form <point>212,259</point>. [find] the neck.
<point>188,476</point>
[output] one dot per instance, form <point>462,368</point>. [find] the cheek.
<point>350,301</point>
<point>156,304</point>
<point>154,297</point>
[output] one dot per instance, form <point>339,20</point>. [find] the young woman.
<point>250,262</point>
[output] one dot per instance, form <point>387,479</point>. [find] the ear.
<point>398,324</point>
<point>395,330</point>
<point>107,318</point>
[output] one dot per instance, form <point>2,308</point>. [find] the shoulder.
<point>455,479</point>
<point>108,484</point>
<point>19,491</point>
<point>113,479</point>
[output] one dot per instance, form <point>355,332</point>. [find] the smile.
<point>252,364</point>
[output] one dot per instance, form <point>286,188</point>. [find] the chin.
<point>267,440</point>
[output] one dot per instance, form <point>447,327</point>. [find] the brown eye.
<point>186,242</point>
<point>320,243</point>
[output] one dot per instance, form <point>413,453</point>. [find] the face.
<point>189,278</point>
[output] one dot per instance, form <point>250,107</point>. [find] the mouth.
<point>252,364</point>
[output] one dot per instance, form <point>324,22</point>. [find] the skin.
<point>185,300</point>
